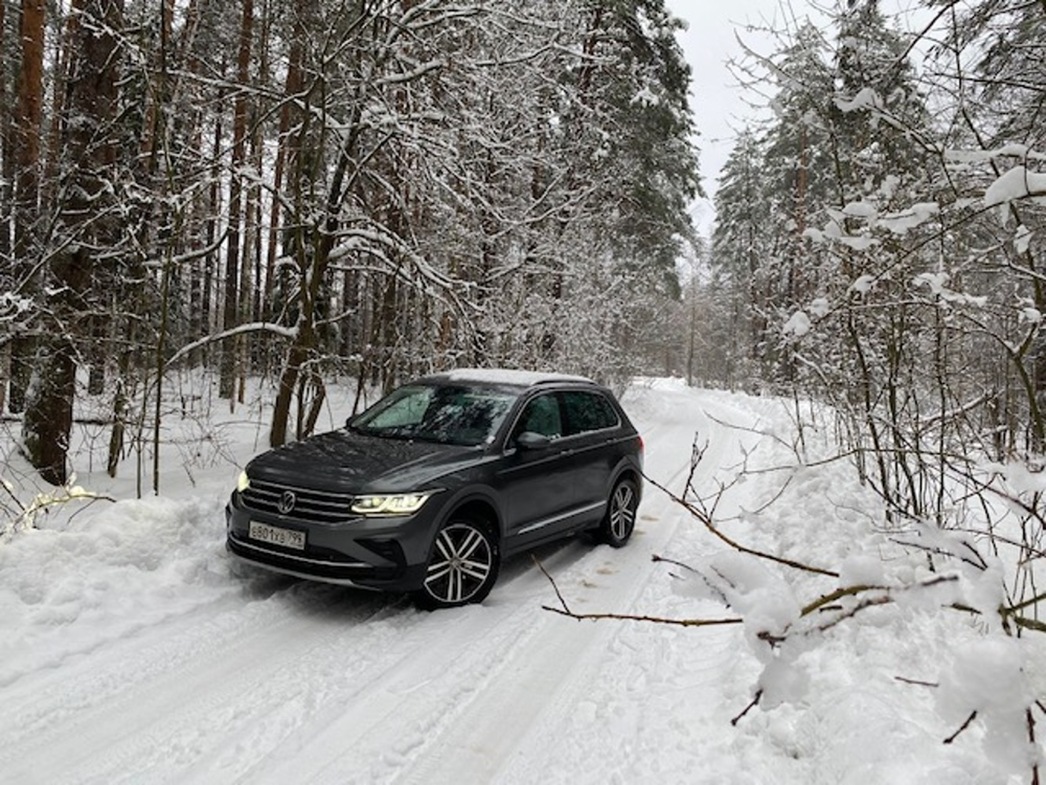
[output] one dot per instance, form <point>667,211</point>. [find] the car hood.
<point>348,462</point>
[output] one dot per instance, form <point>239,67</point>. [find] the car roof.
<point>506,376</point>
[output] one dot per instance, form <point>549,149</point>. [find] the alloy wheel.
<point>621,514</point>
<point>462,567</point>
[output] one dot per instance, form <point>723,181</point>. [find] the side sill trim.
<point>557,518</point>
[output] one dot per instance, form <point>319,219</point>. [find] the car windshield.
<point>450,414</point>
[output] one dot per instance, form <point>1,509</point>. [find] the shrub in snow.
<point>934,605</point>
<point>25,515</point>
<point>987,680</point>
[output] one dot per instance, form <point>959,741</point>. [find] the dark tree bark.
<point>6,151</point>
<point>92,85</point>
<point>26,155</point>
<point>231,310</point>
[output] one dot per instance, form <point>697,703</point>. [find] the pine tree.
<point>86,220</point>
<point>25,161</point>
<point>741,250</point>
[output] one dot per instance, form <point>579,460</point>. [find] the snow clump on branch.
<point>1017,183</point>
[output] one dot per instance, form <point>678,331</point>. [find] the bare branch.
<point>916,682</point>
<point>748,708</point>
<point>711,527</point>
<point>644,618</point>
<point>964,726</point>
<point>565,611</point>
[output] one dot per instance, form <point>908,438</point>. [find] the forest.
<point>878,246</point>
<point>289,198</point>
<point>297,192</point>
<point>371,190</point>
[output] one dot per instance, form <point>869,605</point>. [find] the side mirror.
<point>528,440</point>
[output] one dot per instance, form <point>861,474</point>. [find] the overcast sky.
<point>719,111</point>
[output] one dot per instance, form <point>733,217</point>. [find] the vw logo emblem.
<point>287,502</point>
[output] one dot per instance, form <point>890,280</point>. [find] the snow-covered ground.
<point>132,649</point>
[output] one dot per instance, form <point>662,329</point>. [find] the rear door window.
<point>586,412</point>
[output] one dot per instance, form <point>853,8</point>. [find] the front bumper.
<point>380,553</point>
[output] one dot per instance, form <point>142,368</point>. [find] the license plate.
<point>274,535</point>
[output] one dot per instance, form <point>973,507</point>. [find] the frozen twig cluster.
<point>20,515</point>
<point>788,605</point>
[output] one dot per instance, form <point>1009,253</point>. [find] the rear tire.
<point>463,566</point>
<point>620,519</point>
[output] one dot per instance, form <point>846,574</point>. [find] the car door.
<point>537,481</point>
<point>591,426</point>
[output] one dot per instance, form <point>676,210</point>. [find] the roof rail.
<point>565,380</point>
<point>510,377</point>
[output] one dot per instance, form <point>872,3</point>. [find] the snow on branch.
<point>866,98</point>
<point>1017,183</point>
<point>43,502</point>
<point>1014,150</point>
<point>252,327</point>
<point>13,306</point>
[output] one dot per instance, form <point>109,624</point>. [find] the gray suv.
<point>431,487</point>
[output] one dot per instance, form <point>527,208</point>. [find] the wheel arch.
<point>478,508</point>
<point>628,471</point>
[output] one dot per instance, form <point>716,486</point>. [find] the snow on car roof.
<point>508,376</point>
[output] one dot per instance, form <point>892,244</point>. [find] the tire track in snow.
<point>514,722</point>
<point>122,732</point>
<point>315,685</point>
<point>496,674</point>
<point>607,724</point>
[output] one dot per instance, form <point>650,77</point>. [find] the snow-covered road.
<point>256,678</point>
<point>132,650</point>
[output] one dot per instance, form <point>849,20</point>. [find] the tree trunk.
<point>6,161</point>
<point>303,345</point>
<point>116,436</point>
<point>28,124</point>
<point>48,419</point>
<point>92,101</point>
<point>227,381</point>
<point>5,369</point>
<point>210,262</point>
<point>26,157</point>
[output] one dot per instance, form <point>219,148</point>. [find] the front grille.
<point>309,504</point>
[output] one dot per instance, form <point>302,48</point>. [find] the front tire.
<point>620,519</point>
<point>463,566</point>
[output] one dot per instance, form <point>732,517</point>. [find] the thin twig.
<point>748,708</point>
<point>566,611</point>
<point>708,524</point>
<point>641,617</point>
<point>1029,624</point>
<point>656,558</point>
<point>964,726</point>
<point>15,499</point>
<point>1022,605</point>
<point>1031,740</point>
<point>916,682</point>
<point>544,572</point>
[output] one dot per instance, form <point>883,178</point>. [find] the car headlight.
<point>390,504</point>
<point>243,482</point>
